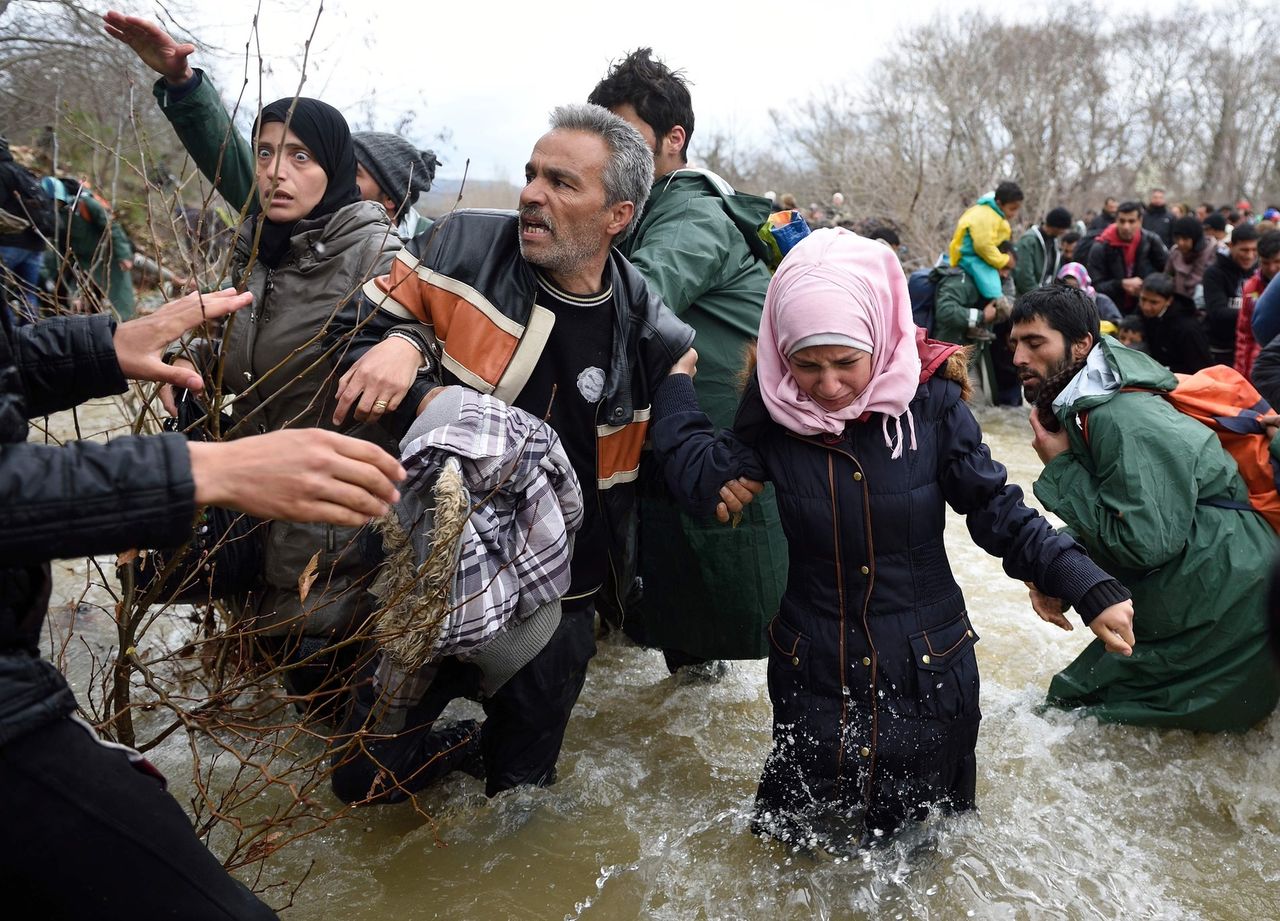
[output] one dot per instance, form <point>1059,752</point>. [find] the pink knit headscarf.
<point>835,282</point>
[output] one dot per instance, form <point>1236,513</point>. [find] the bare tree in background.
<point>1075,107</point>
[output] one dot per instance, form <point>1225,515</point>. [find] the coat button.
<point>617,412</point>
<point>864,751</point>
<point>866,570</point>
<point>866,660</point>
<point>924,659</point>
<point>795,660</point>
<point>857,476</point>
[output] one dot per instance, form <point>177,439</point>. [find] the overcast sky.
<point>489,71</point>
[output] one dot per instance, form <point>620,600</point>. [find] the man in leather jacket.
<point>90,830</point>
<point>538,309</point>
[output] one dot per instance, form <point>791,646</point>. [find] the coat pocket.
<point>947,669</point>
<point>788,667</point>
<point>790,646</point>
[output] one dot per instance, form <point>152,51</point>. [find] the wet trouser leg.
<point>371,769</point>
<point>527,716</point>
<point>520,739</point>
<point>89,835</point>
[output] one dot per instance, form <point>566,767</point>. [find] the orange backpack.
<point>1223,399</point>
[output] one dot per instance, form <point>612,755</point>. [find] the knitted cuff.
<point>176,92</point>
<point>1099,598</point>
<point>1072,576</point>
<point>675,395</point>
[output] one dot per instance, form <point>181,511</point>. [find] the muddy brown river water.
<point>650,818</point>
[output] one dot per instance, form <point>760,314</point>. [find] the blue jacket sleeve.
<point>976,486</point>
<point>1266,315</point>
<point>696,460</point>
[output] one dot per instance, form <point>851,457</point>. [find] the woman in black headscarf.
<point>305,253</point>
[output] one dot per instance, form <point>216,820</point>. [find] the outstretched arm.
<point>706,471</point>
<point>975,485</point>
<point>190,102</point>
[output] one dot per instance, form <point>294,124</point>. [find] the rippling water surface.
<point>650,818</point>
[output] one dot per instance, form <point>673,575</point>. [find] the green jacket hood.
<point>1111,368</point>
<point>746,211</point>
<point>990,201</point>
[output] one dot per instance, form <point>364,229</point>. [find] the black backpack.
<point>33,202</point>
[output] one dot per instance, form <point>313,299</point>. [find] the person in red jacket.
<point>1247,348</point>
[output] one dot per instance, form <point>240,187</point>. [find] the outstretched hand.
<point>152,44</point>
<point>307,475</point>
<point>1114,626</point>
<point>140,343</point>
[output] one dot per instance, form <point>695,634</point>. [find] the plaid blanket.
<point>515,546</point>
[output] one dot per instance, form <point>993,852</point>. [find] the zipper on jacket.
<point>266,295</point>
<point>859,477</point>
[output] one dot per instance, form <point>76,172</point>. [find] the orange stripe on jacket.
<point>470,338</point>
<point>618,452</point>
<point>404,287</point>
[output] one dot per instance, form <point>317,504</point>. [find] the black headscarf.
<point>323,129</point>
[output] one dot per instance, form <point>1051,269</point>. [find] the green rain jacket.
<point>957,307</point>
<point>1142,487</point>
<point>203,126</point>
<point>90,234</point>
<point>708,590</point>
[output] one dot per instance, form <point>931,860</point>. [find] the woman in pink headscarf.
<point>860,423</point>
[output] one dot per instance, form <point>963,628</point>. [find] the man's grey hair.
<point>629,172</point>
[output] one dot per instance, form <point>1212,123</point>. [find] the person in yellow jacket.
<point>975,247</point>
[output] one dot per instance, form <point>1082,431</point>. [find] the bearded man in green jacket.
<point>708,591</point>
<point>1157,502</point>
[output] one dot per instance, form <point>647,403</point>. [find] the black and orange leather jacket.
<point>468,294</point>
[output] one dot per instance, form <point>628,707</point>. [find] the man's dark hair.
<point>1208,207</point>
<point>1129,207</point>
<point>1215,221</point>
<point>659,95</point>
<point>1058,218</point>
<point>1008,192</point>
<point>888,234</point>
<point>1158,283</point>
<point>1269,245</point>
<point>1233,217</point>
<point>1068,310</point>
<point>1071,236</point>
<point>1244,233</point>
<point>1131,324</point>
